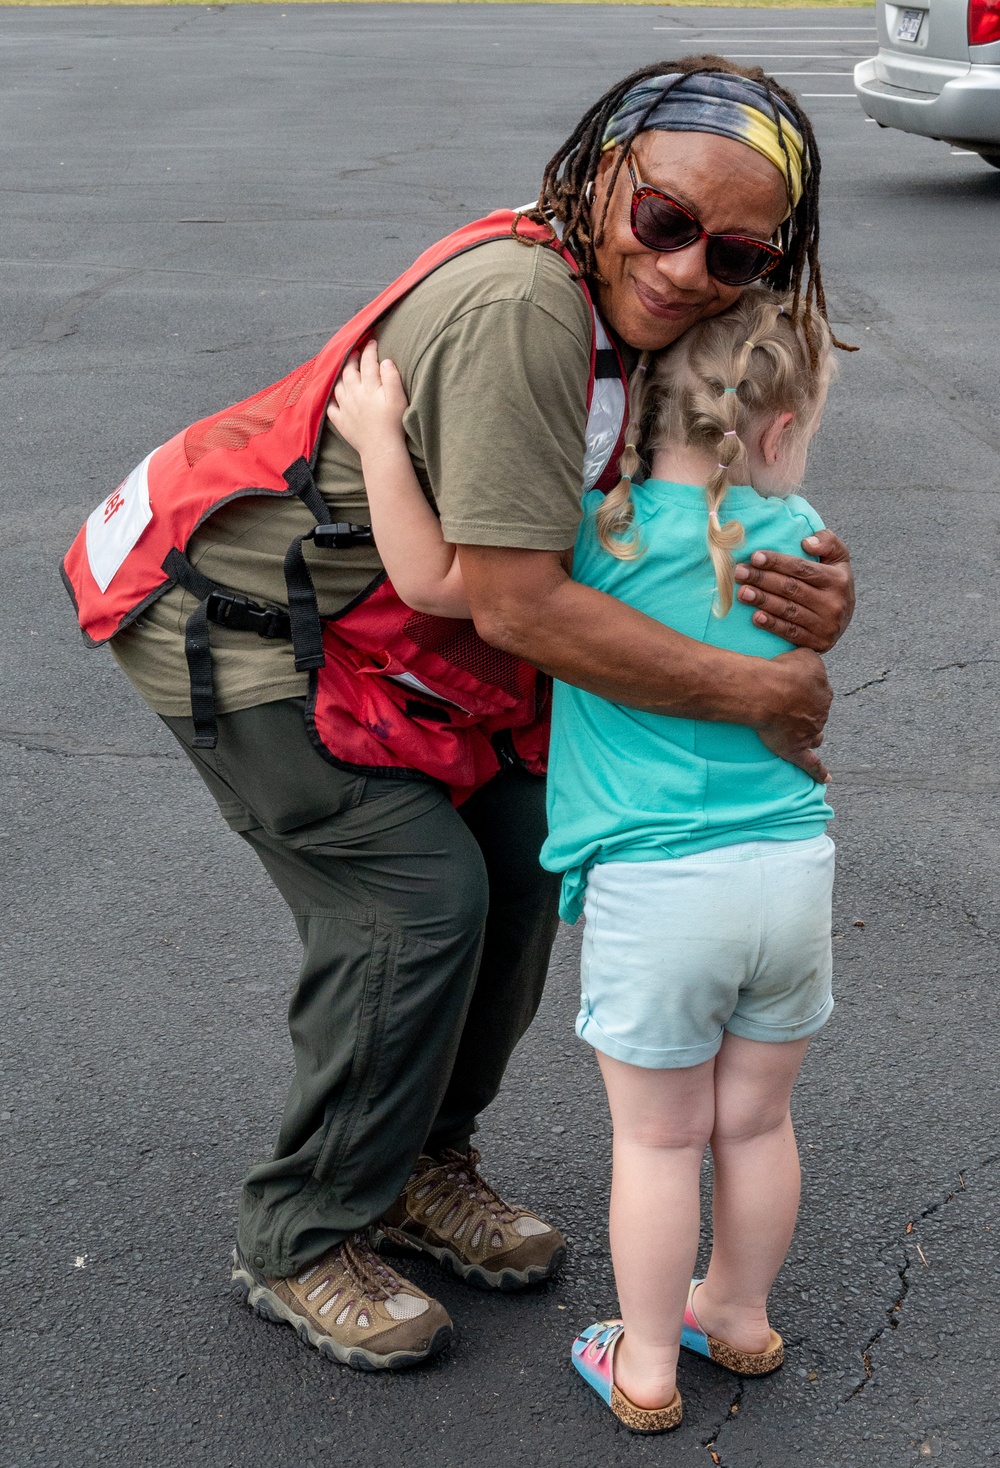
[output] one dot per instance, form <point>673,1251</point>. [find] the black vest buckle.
<point>342,536</point>
<point>240,614</point>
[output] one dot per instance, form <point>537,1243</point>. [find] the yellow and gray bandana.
<point>715,102</point>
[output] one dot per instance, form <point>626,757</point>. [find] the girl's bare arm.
<point>367,410</point>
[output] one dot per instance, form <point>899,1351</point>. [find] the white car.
<point>937,72</point>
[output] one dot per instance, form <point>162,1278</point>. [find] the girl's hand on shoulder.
<point>368,404</point>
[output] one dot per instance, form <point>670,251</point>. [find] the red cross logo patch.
<point>114,504</point>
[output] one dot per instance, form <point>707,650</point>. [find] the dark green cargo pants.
<point>427,934</point>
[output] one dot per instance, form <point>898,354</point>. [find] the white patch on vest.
<point>604,421</point>
<point>115,526</point>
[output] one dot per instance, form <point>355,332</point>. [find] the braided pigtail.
<point>727,416</point>
<point>615,530</point>
<point>732,455</point>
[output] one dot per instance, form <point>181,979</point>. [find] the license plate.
<point>909,25</point>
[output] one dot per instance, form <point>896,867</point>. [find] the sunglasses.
<point>660,223</point>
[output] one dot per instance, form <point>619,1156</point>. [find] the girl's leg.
<point>662,1122</point>
<point>756,1196</point>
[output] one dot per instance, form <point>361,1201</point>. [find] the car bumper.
<point>967,108</point>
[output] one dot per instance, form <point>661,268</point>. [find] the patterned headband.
<point>715,102</point>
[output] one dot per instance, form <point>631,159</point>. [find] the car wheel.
<point>993,159</point>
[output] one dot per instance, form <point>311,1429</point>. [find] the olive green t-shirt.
<point>494,352</point>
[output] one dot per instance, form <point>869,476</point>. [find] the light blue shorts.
<point>675,952</point>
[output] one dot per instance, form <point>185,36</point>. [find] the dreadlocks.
<point>567,184</point>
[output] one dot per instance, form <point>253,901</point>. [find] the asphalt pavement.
<point>194,198</point>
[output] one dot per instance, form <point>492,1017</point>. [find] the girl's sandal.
<point>593,1357</point>
<point>744,1363</point>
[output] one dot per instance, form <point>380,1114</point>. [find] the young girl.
<point>699,858</point>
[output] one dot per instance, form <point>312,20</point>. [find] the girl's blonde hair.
<point>723,376</point>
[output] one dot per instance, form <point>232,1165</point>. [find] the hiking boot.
<point>351,1307</point>
<point>449,1211</point>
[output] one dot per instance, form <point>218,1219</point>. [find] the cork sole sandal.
<point>743,1363</point>
<point>593,1357</point>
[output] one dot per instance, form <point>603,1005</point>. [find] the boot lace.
<point>366,1269</point>
<point>463,1171</point>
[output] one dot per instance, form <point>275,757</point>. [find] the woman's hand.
<point>808,603</point>
<point>368,404</point>
<point>800,704</point>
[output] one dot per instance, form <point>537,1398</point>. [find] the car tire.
<point>993,159</point>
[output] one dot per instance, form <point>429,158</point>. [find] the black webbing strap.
<point>182,573</point>
<point>303,609</point>
<point>197,648</point>
<point>198,651</point>
<point>300,481</point>
<point>606,364</point>
<point>215,604</point>
<point>225,609</point>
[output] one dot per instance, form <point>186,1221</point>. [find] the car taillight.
<point>984,22</point>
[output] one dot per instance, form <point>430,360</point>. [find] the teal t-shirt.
<point>631,786</point>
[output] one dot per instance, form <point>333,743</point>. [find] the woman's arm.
<point>367,410</point>
<point>524,602</point>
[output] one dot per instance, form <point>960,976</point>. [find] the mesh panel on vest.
<point>235,427</point>
<point>458,642</point>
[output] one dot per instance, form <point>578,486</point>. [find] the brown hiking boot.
<point>449,1211</point>
<point>351,1307</point>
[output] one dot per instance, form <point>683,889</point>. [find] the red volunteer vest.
<point>392,691</point>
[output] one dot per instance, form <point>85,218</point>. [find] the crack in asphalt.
<point>264,341</point>
<point>61,321</point>
<point>68,749</point>
<point>209,10</point>
<point>869,684</point>
<point>969,663</point>
<point>937,668</point>
<point>931,896</point>
<point>894,1309</point>
<point>972,918</point>
<point>891,1323</point>
<point>386,160</point>
<point>734,1406</point>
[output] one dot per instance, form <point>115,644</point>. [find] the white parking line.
<point>753,29</point>
<point>777,41</point>
<point>787,56</point>
<point>796,40</point>
<point>791,33</point>
<point>849,95</point>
